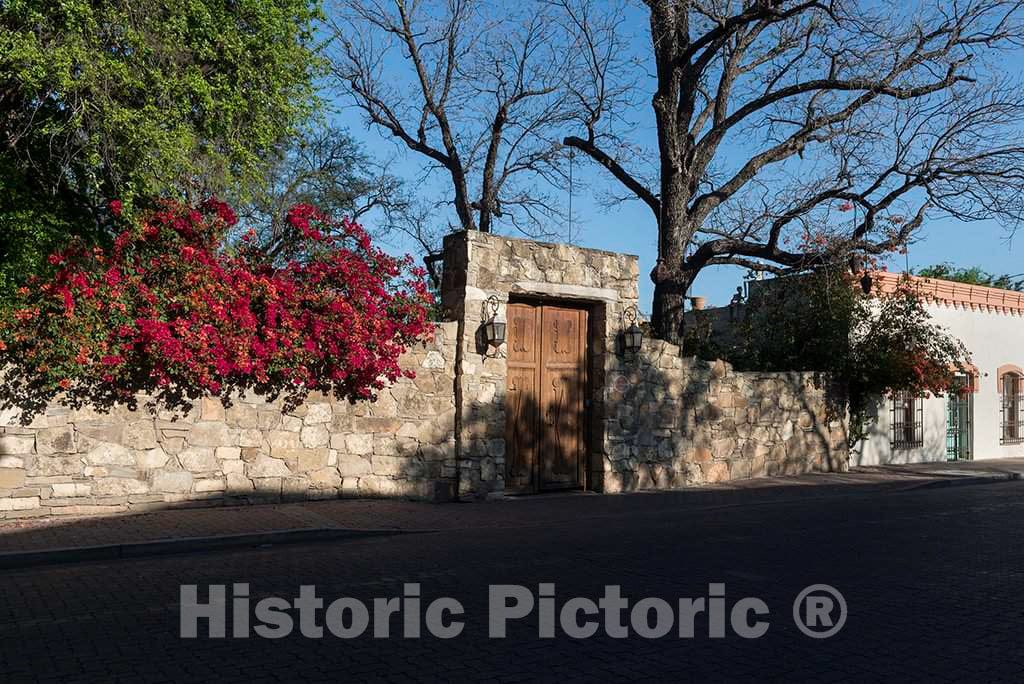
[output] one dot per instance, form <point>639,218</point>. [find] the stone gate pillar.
<point>480,265</point>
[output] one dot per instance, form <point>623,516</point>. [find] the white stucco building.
<point>986,419</point>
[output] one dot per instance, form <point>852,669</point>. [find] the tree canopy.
<point>137,99</point>
<point>823,321</point>
<point>973,275</point>
<point>792,131</point>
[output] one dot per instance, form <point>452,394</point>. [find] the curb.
<point>165,547</point>
<point>10,560</point>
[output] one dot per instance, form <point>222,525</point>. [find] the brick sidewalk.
<point>407,516</point>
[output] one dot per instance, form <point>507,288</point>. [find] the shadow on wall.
<point>662,422</point>
<point>680,421</point>
<point>877,446</point>
<point>73,463</point>
<point>532,437</point>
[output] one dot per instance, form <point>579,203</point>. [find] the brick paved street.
<point>932,578</point>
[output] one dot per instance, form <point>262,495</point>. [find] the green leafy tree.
<point>973,276</point>
<point>326,167</point>
<point>871,344</point>
<point>105,99</point>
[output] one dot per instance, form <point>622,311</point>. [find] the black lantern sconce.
<point>493,327</point>
<point>632,335</point>
<point>866,283</point>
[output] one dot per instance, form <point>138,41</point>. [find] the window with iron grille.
<point>1013,405</point>
<point>907,421</point>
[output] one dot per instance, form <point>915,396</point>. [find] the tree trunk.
<point>671,277</point>
<point>669,306</point>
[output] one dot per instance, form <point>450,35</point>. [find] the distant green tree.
<point>972,276</point>
<point>871,344</point>
<point>125,99</point>
<point>323,166</point>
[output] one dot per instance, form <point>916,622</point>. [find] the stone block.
<point>723,448</point>
<point>106,453</point>
<point>68,490</point>
<point>150,459</point>
<point>353,465</point>
<point>716,471</point>
<point>251,438</point>
<point>118,486</point>
<point>22,504</point>
<point>55,440</point>
<point>265,467</point>
<point>268,420</point>
<point>242,416</point>
<point>359,444</point>
<point>87,510</point>
<point>140,435</point>
<point>199,460</point>
<point>172,481</point>
<point>237,483</point>
<point>433,360</point>
<point>173,445</point>
<point>12,462</point>
<point>325,478</point>
<point>282,439</point>
<point>312,459</point>
<point>17,444</point>
<point>318,414</point>
<point>211,409</point>
<point>250,454</point>
<point>232,466</point>
<point>207,434</point>
<point>375,424</point>
<point>316,435</point>
<point>395,466</point>
<point>12,478</point>
<point>385,444</point>
<point>291,423</point>
<point>228,453</point>
<point>293,488</point>
<point>102,431</point>
<point>210,485</point>
<point>739,469</point>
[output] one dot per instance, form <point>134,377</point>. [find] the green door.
<point>959,421</point>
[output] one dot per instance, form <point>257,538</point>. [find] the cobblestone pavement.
<point>932,577</point>
<point>35,534</point>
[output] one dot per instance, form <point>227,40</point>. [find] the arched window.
<point>968,379</point>
<point>1011,387</point>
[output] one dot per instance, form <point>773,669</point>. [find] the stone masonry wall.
<point>675,421</point>
<point>81,462</point>
<point>656,420</point>
<point>480,265</point>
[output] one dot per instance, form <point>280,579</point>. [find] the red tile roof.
<point>957,295</point>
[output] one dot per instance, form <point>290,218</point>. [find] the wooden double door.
<point>546,397</point>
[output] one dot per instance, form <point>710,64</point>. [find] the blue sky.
<point>630,227</point>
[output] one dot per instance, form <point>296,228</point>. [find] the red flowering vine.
<point>170,311</point>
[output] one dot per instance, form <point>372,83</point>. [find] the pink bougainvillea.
<point>171,310</point>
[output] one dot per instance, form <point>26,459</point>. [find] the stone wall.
<point>81,462</point>
<point>480,265</point>
<point>656,420</point>
<point>673,422</point>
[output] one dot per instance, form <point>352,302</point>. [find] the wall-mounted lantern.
<point>632,335</point>
<point>866,283</point>
<point>493,328</point>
